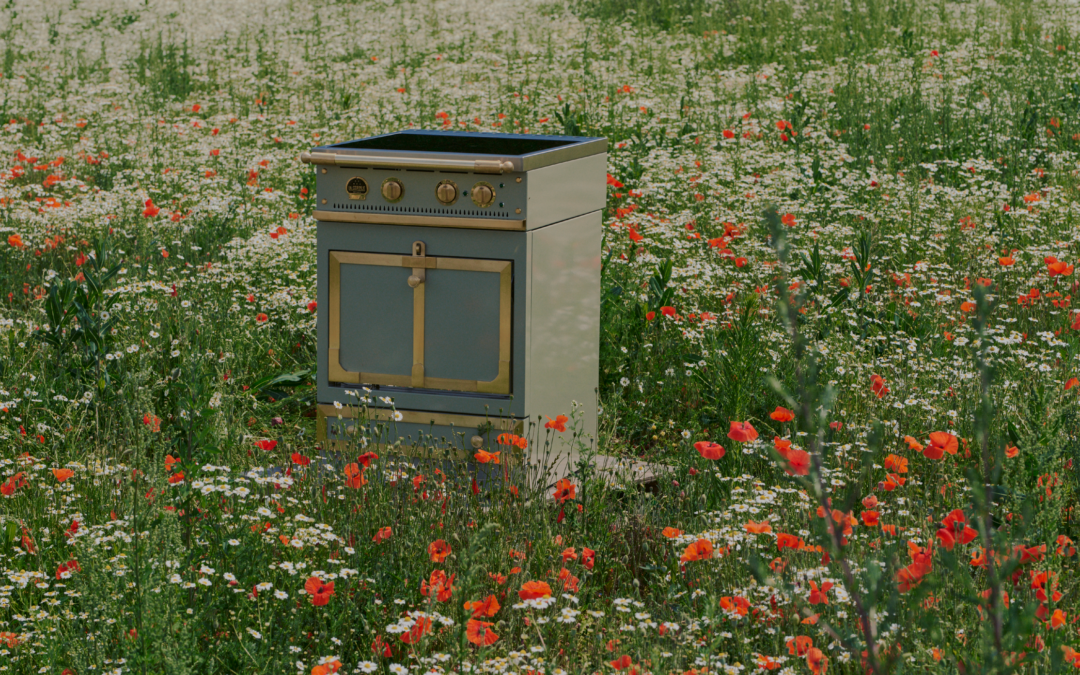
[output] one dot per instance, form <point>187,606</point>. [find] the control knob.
<point>483,194</point>
<point>392,189</point>
<point>446,192</point>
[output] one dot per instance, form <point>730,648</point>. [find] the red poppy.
<point>819,595</point>
<point>940,443</point>
<point>266,445</point>
<point>742,432</point>
<point>877,384</point>
<point>709,450</point>
<point>421,627</point>
<point>484,457</point>
<point>65,570</point>
<point>318,591</point>
<point>1072,382</point>
<point>62,474</point>
<point>782,414</point>
<point>564,490</point>
<point>150,211</point>
<point>668,310</point>
<point>439,550</point>
<point>798,463</point>
<point>588,558</point>
<point>480,633</point>
<point>816,661</point>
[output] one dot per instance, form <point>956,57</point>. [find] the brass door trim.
<point>429,221</point>
<point>419,263</point>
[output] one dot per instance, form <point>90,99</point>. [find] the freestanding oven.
<point>459,277</point>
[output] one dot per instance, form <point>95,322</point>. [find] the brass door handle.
<point>415,280</point>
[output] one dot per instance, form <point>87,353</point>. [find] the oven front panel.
<point>430,317</point>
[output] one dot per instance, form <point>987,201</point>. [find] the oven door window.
<point>420,321</point>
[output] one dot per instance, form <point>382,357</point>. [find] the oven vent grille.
<point>372,208</point>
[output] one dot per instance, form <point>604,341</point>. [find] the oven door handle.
<point>374,161</point>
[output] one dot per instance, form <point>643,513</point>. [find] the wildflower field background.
<point>839,257</point>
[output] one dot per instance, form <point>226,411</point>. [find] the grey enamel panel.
<point>461,325</point>
<point>376,319</point>
<point>427,435</point>
<point>449,242</point>
<point>419,196</point>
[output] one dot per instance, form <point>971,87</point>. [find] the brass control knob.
<point>414,281</point>
<point>482,194</point>
<point>446,192</point>
<point>392,189</point>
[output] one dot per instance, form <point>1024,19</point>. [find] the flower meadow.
<point>838,265</point>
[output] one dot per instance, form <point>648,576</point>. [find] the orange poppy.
<point>63,474</point>
<point>782,414</point>
<point>758,528</point>
<point>709,450</point>
<point>870,518</point>
<point>483,457</point>
<point>326,668</point>
<point>742,432</point>
<point>913,444</point>
<point>440,585</point>
<point>1072,382</point>
<point>1012,451</point>
<point>512,439</point>
<point>320,592</point>
<point>177,477</point>
<point>382,535</point>
<point>439,550</point>
<point>534,589</point>
<point>489,606</point>
<point>564,490</point>
<point>798,646</point>
<point>1007,261</point>
<point>354,475</point>
<point>896,463</point>
<point>480,633</point>
<point>782,446</point>
<point>702,549</point>
<point>816,661</point>
<point>671,532</point>
<point>558,424</point>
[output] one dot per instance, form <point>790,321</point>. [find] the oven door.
<point>420,321</point>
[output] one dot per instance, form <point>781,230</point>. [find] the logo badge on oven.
<point>357,188</point>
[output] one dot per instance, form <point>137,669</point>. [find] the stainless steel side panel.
<point>556,193</point>
<point>563,306</point>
